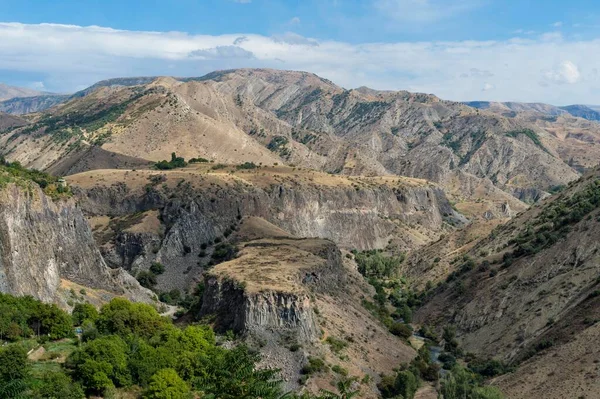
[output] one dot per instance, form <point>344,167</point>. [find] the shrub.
<point>175,162</point>
<point>314,365</point>
<point>401,330</point>
<point>167,384</point>
<point>146,279</point>
<point>157,268</point>
<point>336,344</point>
<point>13,363</point>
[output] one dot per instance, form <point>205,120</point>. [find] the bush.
<point>82,312</point>
<point>406,384</point>
<point>14,364</point>
<point>175,162</point>
<point>58,385</point>
<point>167,384</point>
<point>401,330</point>
<point>157,268</point>
<point>247,165</point>
<point>223,253</point>
<point>336,344</point>
<point>147,279</point>
<point>314,365</point>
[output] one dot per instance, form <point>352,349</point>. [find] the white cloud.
<point>488,87</point>
<point>419,11</point>
<point>564,72</point>
<point>221,52</point>
<point>557,24</point>
<point>294,21</point>
<point>37,85</point>
<point>69,57</point>
<point>242,1</point>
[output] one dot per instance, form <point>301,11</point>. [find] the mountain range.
<point>322,224</point>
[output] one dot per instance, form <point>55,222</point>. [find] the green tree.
<point>14,364</point>
<point>157,268</point>
<point>125,319</point>
<point>58,385</point>
<point>167,384</point>
<point>82,312</point>
<point>406,384</point>
<point>101,361</point>
<point>231,374</point>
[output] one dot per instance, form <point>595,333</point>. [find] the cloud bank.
<point>547,68</point>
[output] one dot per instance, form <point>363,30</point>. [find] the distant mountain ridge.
<point>577,110</point>
<point>7,92</point>
<point>298,118</point>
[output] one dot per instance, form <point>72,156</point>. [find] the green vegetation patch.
<point>531,135</point>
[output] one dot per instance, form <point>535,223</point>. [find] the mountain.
<point>8,92</point>
<point>583,111</point>
<point>27,105</point>
<point>32,101</point>
<point>528,295</point>
<point>297,118</point>
<point>8,122</point>
<point>575,138</point>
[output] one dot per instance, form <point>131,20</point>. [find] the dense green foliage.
<point>13,172</point>
<point>198,160</point>
<point>247,165</point>
<point>83,312</point>
<point>175,162</point>
<point>374,263</point>
<point>461,383</point>
<point>131,345</point>
<point>167,384</point>
<point>23,317</point>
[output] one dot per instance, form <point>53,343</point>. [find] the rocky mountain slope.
<point>7,92</point>
<point>578,110</point>
<point>298,118</point>
<point>26,105</point>
<point>142,217</point>
<point>8,122</point>
<point>529,293</point>
<point>284,292</point>
<point>46,245</point>
<point>574,129</point>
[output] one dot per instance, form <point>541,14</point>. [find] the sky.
<point>498,50</point>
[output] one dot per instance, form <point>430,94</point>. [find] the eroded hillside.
<point>298,118</point>
<point>528,293</point>
<point>177,217</point>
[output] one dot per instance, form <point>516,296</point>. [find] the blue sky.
<point>546,51</point>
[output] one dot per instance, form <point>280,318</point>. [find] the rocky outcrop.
<point>267,289</point>
<point>241,311</point>
<point>43,242</point>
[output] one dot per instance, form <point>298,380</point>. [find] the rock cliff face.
<point>242,312</point>
<point>366,215</point>
<point>267,288</point>
<point>43,243</point>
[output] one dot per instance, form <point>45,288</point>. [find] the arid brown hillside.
<point>9,122</point>
<point>528,293</point>
<point>269,116</point>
